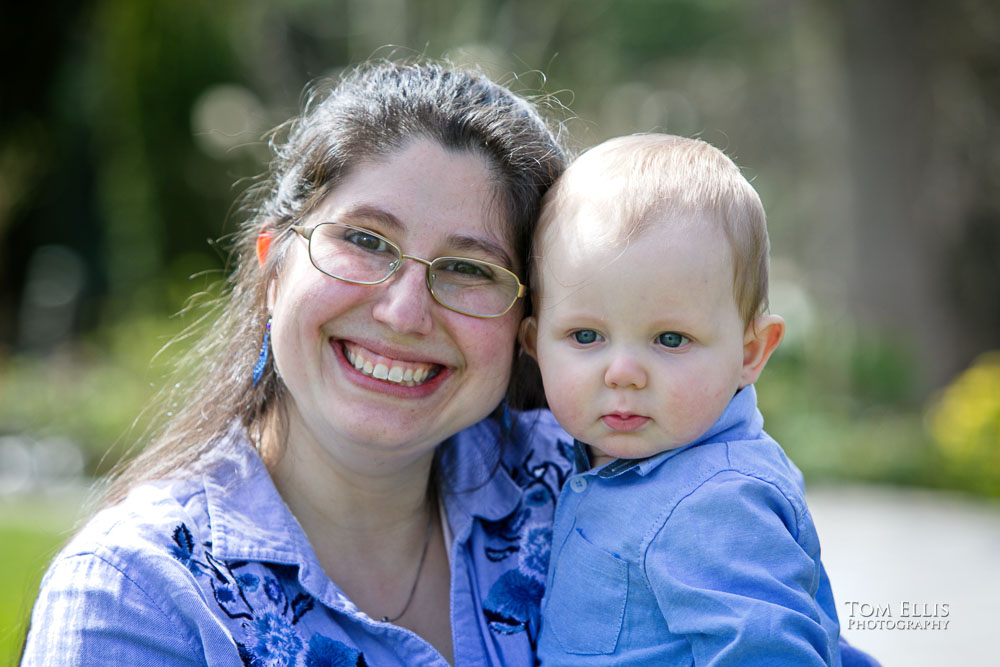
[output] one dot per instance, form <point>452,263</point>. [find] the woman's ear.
<point>528,335</point>
<point>264,239</point>
<point>759,342</point>
<point>263,246</point>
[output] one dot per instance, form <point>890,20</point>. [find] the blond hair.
<point>629,180</point>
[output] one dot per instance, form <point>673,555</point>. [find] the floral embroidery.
<point>271,640</point>
<point>183,548</point>
<point>248,582</point>
<point>269,621</point>
<point>513,603</point>
<point>273,590</point>
<point>326,652</point>
<point>537,546</point>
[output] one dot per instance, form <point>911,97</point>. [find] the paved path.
<point>909,552</point>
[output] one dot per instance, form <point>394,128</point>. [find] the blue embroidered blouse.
<point>704,555</point>
<point>215,569</point>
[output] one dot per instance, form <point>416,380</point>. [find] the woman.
<point>341,481</point>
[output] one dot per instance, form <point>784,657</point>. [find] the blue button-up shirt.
<point>215,569</point>
<point>705,554</point>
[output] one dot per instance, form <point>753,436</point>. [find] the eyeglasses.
<point>363,257</point>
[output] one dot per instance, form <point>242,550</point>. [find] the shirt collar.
<point>477,485</point>
<point>741,420</point>
<point>249,519</point>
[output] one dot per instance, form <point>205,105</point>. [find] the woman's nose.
<point>405,303</point>
<point>625,372</point>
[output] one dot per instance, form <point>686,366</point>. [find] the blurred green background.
<point>129,129</point>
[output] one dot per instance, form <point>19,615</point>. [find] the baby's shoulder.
<point>765,460</point>
<point>753,482</point>
<point>726,474</point>
<point>759,459</point>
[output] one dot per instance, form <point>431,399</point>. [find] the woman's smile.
<point>386,369</point>
<point>381,367</point>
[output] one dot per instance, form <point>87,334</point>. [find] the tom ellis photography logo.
<point>901,616</point>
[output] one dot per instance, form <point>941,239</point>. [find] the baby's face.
<point>640,349</point>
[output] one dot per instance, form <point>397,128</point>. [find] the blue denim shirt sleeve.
<point>90,612</point>
<point>745,592</point>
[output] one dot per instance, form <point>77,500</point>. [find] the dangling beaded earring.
<point>265,352</point>
<point>505,418</point>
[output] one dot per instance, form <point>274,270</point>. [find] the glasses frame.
<point>307,234</point>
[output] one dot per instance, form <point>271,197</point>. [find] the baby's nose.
<point>624,372</point>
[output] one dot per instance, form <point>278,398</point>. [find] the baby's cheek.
<point>695,412</point>
<point>568,410</point>
<point>566,388</point>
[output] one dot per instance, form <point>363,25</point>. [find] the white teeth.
<point>381,371</point>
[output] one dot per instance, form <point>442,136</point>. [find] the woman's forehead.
<point>423,192</point>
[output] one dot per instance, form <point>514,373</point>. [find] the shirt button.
<point>578,484</point>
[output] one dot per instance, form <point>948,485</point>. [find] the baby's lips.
<point>624,422</point>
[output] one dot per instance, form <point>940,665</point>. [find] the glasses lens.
<point>351,253</point>
<point>472,287</point>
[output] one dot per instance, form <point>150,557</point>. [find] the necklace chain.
<point>420,567</point>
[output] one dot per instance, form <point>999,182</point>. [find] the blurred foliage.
<point>129,131</point>
<point>965,424</point>
<point>94,392</point>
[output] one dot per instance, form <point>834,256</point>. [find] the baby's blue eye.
<point>671,339</point>
<point>586,336</point>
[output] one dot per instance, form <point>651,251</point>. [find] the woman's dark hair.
<point>372,111</point>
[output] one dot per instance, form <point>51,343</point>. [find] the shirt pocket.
<point>587,602</point>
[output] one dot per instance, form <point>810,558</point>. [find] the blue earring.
<point>265,352</point>
<point>505,418</point>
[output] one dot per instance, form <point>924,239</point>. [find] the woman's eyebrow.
<point>472,243</point>
<point>459,242</point>
<point>366,213</point>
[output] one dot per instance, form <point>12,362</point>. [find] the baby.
<point>684,535</point>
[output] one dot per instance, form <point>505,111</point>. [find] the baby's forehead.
<point>584,248</point>
<point>584,222</point>
<point>590,226</point>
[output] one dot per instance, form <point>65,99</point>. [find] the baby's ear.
<point>759,342</point>
<point>528,335</point>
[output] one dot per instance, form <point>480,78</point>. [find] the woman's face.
<point>431,202</point>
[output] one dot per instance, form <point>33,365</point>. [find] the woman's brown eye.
<point>366,241</point>
<point>465,268</point>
